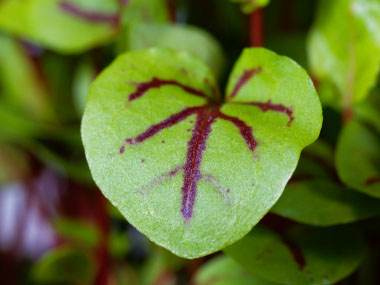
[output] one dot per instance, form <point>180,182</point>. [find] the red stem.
<point>256,36</point>
<point>172,10</point>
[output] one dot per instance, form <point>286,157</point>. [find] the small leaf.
<point>248,6</point>
<point>358,158</point>
<point>223,270</point>
<point>315,196</point>
<point>190,39</point>
<point>299,255</point>
<point>191,172</point>
<point>346,36</point>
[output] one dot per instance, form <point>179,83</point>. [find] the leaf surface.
<point>191,172</point>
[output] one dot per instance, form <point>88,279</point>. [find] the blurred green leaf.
<point>315,197</point>
<point>223,270</point>
<point>67,26</point>
<point>189,39</point>
<point>80,232</point>
<point>344,46</point>
<point>64,265</point>
<point>301,255</point>
<point>358,158</point>
<point>23,85</point>
<point>248,6</point>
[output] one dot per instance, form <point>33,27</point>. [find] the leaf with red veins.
<point>203,140</point>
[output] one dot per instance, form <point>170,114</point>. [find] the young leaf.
<point>358,158</point>
<point>223,270</point>
<point>191,172</point>
<point>182,38</point>
<point>66,26</point>
<point>315,196</point>
<point>346,36</point>
<point>248,6</point>
<point>299,255</point>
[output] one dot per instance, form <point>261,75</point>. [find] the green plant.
<point>201,124</point>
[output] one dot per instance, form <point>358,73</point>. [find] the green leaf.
<point>192,173</point>
<point>66,26</point>
<point>248,6</point>
<point>299,255</point>
<point>223,270</point>
<point>64,265</point>
<point>179,37</point>
<point>358,158</point>
<point>315,197</point>
<point>346,36</point>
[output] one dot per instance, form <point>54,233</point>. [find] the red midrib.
<point>196,148</point>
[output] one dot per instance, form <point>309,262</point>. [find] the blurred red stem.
<point>256,28</point>
<point>172,10</point>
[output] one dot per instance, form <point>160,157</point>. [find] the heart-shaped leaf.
<point>346,35</point>
<point>315,196</point>
<point>191,172</point>
<point>223,270</point>
<point>358,158</point>
<point>290,254</point>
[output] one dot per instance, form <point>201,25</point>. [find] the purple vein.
<point>155,82</point>
<point>269,106</point>
<point>167,123</point>
<point>247,74</point>
<point>245,130</point>
<point>195,150</point>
